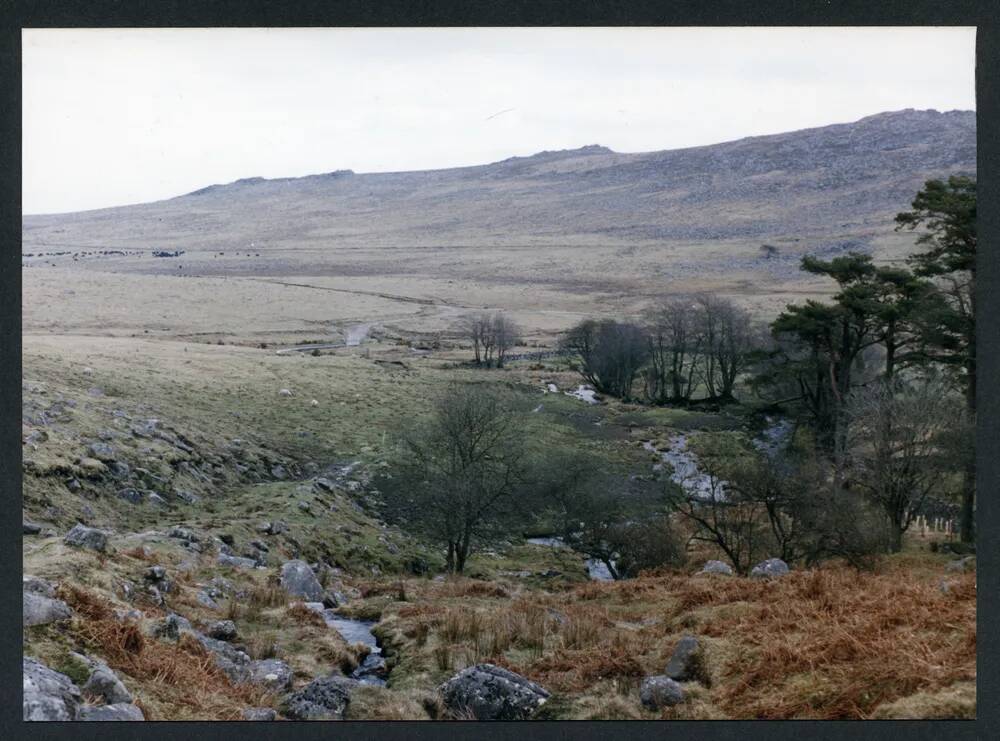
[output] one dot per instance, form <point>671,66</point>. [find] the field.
<point>155,398</point>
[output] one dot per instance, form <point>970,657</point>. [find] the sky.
<point>120,116</point>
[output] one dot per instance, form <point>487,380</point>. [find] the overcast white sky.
<point>126,116</point>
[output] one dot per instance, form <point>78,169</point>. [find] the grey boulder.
<point>488,692</point>
<point>119,712</point>
<point>82,536</point>
<point>299,581</point>
<point>48,695</point>
<point>686,661</point>
<point>37,585</point>
<point>37,609</point>
<point>659,692</point>
<point>236,561</point>
<point>717,567</point>
<point>103,682</point>
<point>272,673</point>
<point>223,630</point>
<point>325,698</point>
<point>769,569</point>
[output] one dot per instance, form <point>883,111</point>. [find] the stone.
<point>48,695</point>
<point>30,528</point>
<point>323,484</point>
<point>119,469</point>
<point>227,539</point>
<point>304,506</point>
<point>685,663</point>
<point>38,585</point>
<point>37,609</point>
<point>73,485</point>
<point>181,533</point>
<point>261,714</point>
<point>91,467</point>
<point>172,626</point>
<point>284,392</point>
<point>103,682</point>
<point>185,496</point>
<point>488,692</point>
<point>223,630</point>
<point>274,674</point>
<point>87,537</point>
<point>299,581</point>
<point>259,545</point>
<point>119,712</point>
<point>325,698</point>
<point>155,573</point>
<point>279,472</point>
<point>134,496</point>
<point>236,561</point>
<point>717,567</point>
<point>660,691</point>
<point>769,569</point>
<point>205,600</point>
<point>101,451</point>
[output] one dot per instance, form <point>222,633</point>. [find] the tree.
<point>462,471</point>
<point>492,336</point>
<point>674,345</point>
<point>945,211</point>
<point>898,447</point>
<point>727,341</point>
<point>609,354</point>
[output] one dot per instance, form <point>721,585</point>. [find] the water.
<point>583,393</point>
<point>684,463</point>
<point>373,669</point>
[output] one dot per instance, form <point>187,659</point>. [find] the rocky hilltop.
<point>845,180</point>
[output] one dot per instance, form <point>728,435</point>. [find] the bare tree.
<point>898,446</point>
<point>674,347</point>
<point>609,354</point>
<point>726,341</point>
<point>492,336</point>
<point>506,335</point>
<point>462,471</point>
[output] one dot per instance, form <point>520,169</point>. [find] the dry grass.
<point>175,680</point>
<point>303,615</point>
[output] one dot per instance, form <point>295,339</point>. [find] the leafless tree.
<point>674,347</point>
<point>898,446</point>
<point>726,340</point>
<point>492,336</point>
<point>462,471</point>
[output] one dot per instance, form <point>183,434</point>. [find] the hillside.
<point>841,180</point>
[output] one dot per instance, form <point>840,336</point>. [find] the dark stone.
<point>325,698</point>
<point>770,569</point>
<point>660,691</point>
<point>119,712</point>
<point>30,528</point>
<point>87,537</point>
<point>488,692</point>
<point>686,662</point>
<point>223,630</point>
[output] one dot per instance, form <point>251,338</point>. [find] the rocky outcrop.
<point>103,682</point>
<point>274,674</point>
<point>299,581</point>
<point>488,692</point>
<point>325,698</point>
<point>772,568</point>
<point>37,609</point>
<point>222,630</point>
<point>660,691</point>
<point>119,712</point>
<point>82,536</point>
<point>48,695</point>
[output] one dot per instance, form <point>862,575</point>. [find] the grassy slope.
<point>810,646</point>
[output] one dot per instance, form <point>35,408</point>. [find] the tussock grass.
<point>176,681</point>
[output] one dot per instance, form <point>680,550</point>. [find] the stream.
<point>372,670</point>
<point>687,474</point>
